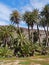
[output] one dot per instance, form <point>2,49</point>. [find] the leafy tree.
<point>5,35</point>
<point>26,18</point>
<point>22,46</point>
<point>31,23</point>
<point>43,23</point>
<point>45,13</point>
<point>15,17</point>
<point>37,21</point>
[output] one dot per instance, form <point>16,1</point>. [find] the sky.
<point>7,6</point>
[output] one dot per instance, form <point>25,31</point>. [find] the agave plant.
<point>5,35</point>
<point>22,45</point>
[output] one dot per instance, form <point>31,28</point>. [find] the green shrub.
<point>5,52</point>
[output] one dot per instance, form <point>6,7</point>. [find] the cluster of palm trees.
<point>19,45</point>
<point>39,18</point>
<point>16,40</point>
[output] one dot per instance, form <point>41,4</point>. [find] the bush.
<point>5,52</point>
<point>23,47</point>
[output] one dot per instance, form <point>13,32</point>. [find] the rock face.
<point>42,33</point>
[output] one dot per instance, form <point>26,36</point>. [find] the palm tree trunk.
<point>18,26</point>
<point>19,31</point>
<point>32,33</point>
<point>47,36</point>
<point>38,34</point>
<point>28,32</point>
<point>45,30</point>
<point>5,42</point>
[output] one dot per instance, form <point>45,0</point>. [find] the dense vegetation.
<point>13,41</point>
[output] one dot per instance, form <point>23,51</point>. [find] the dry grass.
<point>36,60</point>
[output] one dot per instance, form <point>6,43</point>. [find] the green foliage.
<point>21,45</point>
<point>44,42</point>
<point>35,37</point>
<point>5,35</point>
<point>15,17</point>
<point>5,52</point>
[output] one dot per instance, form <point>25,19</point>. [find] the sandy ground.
<point>16,62</point>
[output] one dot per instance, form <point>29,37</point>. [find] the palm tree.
<point>29,19</point>
<point>5,35</point>
<point>32,16</point>
<point>45,13</point>
<point>43,23</point>
<point>15,17</point>
<point>21,44</point>
<point>26,18</point>
<point>37,21</point>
